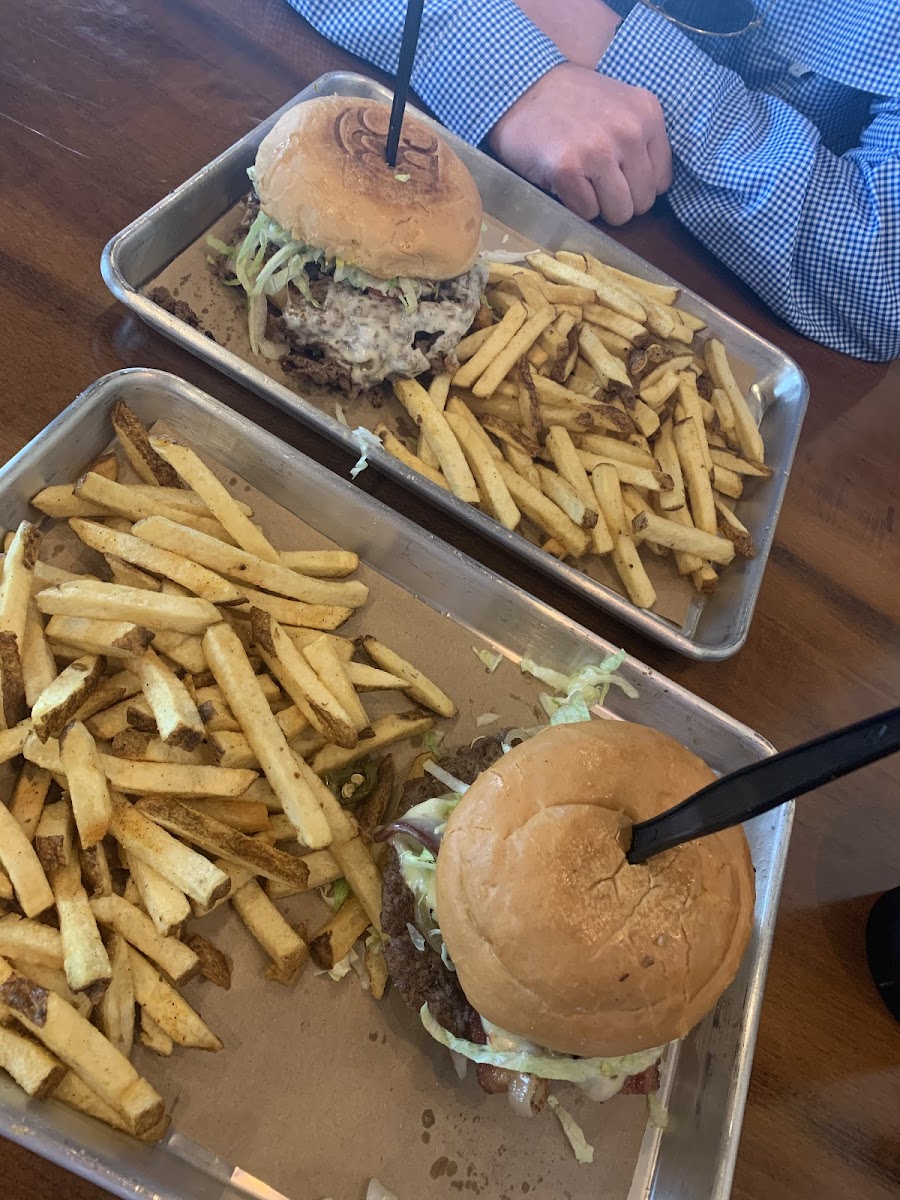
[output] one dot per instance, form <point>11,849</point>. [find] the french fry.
<point>615,448</point>
<point>131,743</point>
<point>733,529</point>
<point>12,741</point>
<point>113,639</point>
<point>571,258</point>
<point>158,561</point>
<point>723,377</point>
<point>167,906</point>
<point>84,956</point>
<point>220,839</point>
<point>178,961</point>
<point>660,292</point>
<point>562,493</point>
<point>174,712</point>
<point>568,464</point>
<point>649,527</point>
<point>657,393</point>
<point>152,1038</point>
<point>30,943</point>
<point>54,842</point>
<point>386,731</point>
<point>612,296</point>
<point>111,602</point>
<point>371,679</point>
<point>472,343</point>
<point>29,795</point>
<point>689,398</point>
<point>323,869</point>
<point>376,967</point>
<point>670,463</point>
<point>480,459</point>
<point>300,681</point>
<point>631,331</point>
<point>95,872</point>
<point>397,450</point>
<point>135,443</point>
<point>359,868</point>
<point>75,1093</point>
<point>38,664</point>
<point>521,463</point>
<point>639,477</point>
<point>287,950</point>
<point>658,317</point>
<point>184,868</point>
<point>86,783</point>
<point>440,437</point>
<point>296,612</point>
<point>507,356</point>
<point>172,779</point>
<point>135,505</point>
<point>239,564</point>
<point>605,364</point>
<point>213,964</point>
<point>740,465</point>
<point>324,564</point>
<point>17,578</point>
<point>725,413</point>
<point>108,692</point>
<point>246,816</point>
<point>36,1071</point>
<point>544,513</point>
<point>335,939</point>
<point>58,703</point>
<point>301,638</point>
<point>500,337</point>
<point>625,557</point>
<point>333,673</point>
<point>706,580</point>
<point>418,686</point>
<point>21,864</point>
<point>54,980</point>
<point>12,682</point>
<point>168,1009</point>
<point>687,564</point>
<point>696,477</point>
<point>124,573</point>
<point>729,483</point>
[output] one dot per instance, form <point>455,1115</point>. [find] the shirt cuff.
<point>481,64</point>
<point>650,52</point>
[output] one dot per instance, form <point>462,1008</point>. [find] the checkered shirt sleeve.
<point>817,235</point>
<point>475,58</point>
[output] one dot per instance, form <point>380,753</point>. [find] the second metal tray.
<point>714,628</point>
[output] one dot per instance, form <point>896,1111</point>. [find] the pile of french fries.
<point>178,727</point>
<point>587,407</point>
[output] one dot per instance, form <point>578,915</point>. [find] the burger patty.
<point>420,975</point>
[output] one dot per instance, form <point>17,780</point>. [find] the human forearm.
<point>582,29</point>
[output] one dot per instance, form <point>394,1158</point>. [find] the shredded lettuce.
<point>450,781</point>
<point>584,1151</point>
<point>582,690</point>
<point>486,718</point>
<point>546,1065</point>
<point>220,247</point>
<point>341,968</point>
<point>367,441</point>
<point>491,660</point>
<point>432,742</point>
<point>340,893</point>
<point>377,1191</point>
<point>658,1114</point>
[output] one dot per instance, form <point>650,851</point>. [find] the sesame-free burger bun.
<point>322,176</point>
<point>554,936</point>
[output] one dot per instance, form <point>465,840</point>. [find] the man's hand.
<point>597,144</point>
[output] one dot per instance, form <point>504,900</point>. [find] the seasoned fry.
<point>689,399</point>
<point>213,964</point>
<point>75,1093</point>
<point>614,297</point>
<point>84,956</point>
<point>418,686</point>
<point>168,1009</point>
<point>12,741</point>
<point>674,497</point>
<point>30,943</point>
<point>21,864</point>
<point>115,1011</point>
<point>178,961</point>
<point>740,465</point>
<point>38,664</point>
<point>696,477</point>
<point>648,527</point>
<point>167,906</point>
<point>720,369</point>
<point>135,443</point>
<point>287,950</point>
<point>29,795</point>
<point>246,816</point>
<point>335,939</point>
<point>370,679</point>
<point>153,1038</point>
<point>95,872</point>
<point>729,483</point>
<point>36,1071</point>
<point>111,602</point>
<point>480,458</point>
<point>544,513</point>
<point>221,839</point>
<point>148,556</point>
<point>562,493</point>
<point>334,675</point>
<point>605,364</point>
<point>324,564</point>
<point>174,712</point>
<point>54,837</point>
<point>625,557</point>
<point>570,467</point>
<point>376,967</point>
<point>508,355</point>
<point>184,868</point>
<point>108,691</point>
<point>113,639</point>
<point>171,779</point>
<point>386,731</point>
<point>662,293</point>
<point>86,783</point>
<point>58,703</point>
<point>300,681</point>
<point>500,337</point>
<point>396,448</point>
<point>296,612</point>
<point>135,505</point>
<point>440,437</point>
<point>733,529</point>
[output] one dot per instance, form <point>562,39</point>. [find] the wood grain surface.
<point>105,105</point>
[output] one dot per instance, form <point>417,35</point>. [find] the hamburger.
<point>516,928</point>
<point>355,272</point>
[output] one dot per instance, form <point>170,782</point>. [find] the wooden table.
<point>104,108</point>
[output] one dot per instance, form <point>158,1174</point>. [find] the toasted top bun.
<point>555,937</point>
<point>321,175</point>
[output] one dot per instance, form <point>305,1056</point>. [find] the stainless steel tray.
<point>708,1078</point>
<point>713,629</point>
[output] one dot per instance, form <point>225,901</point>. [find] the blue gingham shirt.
<point>786,140</point>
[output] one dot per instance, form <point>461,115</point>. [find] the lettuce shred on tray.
<point>584,1151</point>
<point>367,441</point>
<point>582,690</point>
<point>491,660</point>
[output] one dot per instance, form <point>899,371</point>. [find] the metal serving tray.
<point>706,1080</point>
<point>713,629</point>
